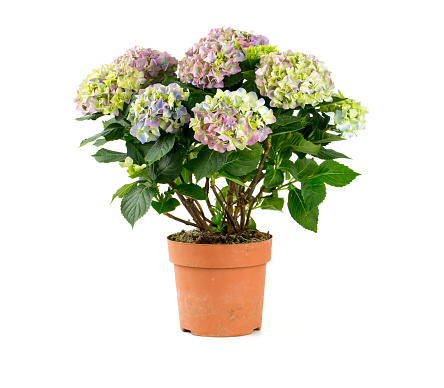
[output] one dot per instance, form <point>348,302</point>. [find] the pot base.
<point>209,334</point>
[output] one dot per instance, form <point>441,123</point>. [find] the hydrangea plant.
<point>238,126</point>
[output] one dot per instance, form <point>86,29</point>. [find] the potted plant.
<point>233,127</point>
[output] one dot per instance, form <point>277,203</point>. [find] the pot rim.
<point>209,245</point>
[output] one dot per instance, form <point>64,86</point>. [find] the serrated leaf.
<point>134,153</point>
<point>272,203</point>
<point>89,116</point>
<point>335,174</point>
<point>249,75</point>
<point>95,137</point>
<point>165,206</point>
<point>288,165</point>
<point>208,162</point>
<point>241,162</point>
<point>323,137</point>
<point>161,147</point>
<point>305,167</point>
<point>308,219</point>
<point>233,80</point>
<point>297,126</point>
<point>100,142</point>
<point>313,191</point>
<point>299,144</point>
<point>273,177</point>
<point>169,167</point>
<point>123,190</point>
<point>286,120</point>
<point>191,190</point>
<point>330,154</point>
<point>115,133</point>
<point>136,203</point>
<point>231,177</point>
<point>107,156</point>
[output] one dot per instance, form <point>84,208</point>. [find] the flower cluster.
<point>158,107</point>
<point>130,166</point>
<point>216,56</point>
<point>348,116</point>
<point>106,89</point>
<point>256,52</point>
<point>293,79</point>
<point>231,120</point>
<point>154,65</point>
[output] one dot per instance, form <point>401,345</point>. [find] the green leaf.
<point>208,162</point>
<point>322,137</point>
<point>241,162</point>
<point>191,165</point>
<point>305,167</point>
<point>134,152</point>
<point>170,167</point>
<point>231,177</point>
<point>330,154</point>
<point>252,224</point>
<point>288,165</point>
<point>107,156</point>
<point>287,119</point>
<point>93,116</point>
<point>233,80</point>
<point>272,203</point>
<point>297,126</point>
<point>308,219</point>
<point>191,190</point>
<point>165,206</point>
<point>299,144</point>
<point>335,174</point>
<point>136,203</point>
<point>313,191</point>
<point>115,133</point>
<point>273,178</point>
<point>161,147</point>
<point>125,189</point>
<point>100,142</point>
<point>95,137</point>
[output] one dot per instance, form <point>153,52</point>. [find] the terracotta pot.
<point>220,287</point>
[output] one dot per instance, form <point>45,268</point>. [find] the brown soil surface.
<point>197,236</point>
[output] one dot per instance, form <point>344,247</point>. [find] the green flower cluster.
<point>293,79</point>
<point>348,116</point>
<point>256,52</point>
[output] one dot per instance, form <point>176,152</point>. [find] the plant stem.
<point>207,192</point>
<point>222,204</point>
<point>181,220</point>
<point>252,204</point>
<point>259,170</point>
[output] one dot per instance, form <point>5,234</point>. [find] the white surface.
<point>87,302</point>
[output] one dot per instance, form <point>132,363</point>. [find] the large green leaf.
<point>305,167</point>
<point>100,142</point>
<point>308,219</point>
<point>165,206</point>
<point>241,162</point>
<point>170,167</point>
<point>134,152</point>
<point>231,177</point>
<point>115,133</point>
<point>286,120</point>
<point>208,162</point>
<point>313,191</point>
<point>273,178</point>
<point>233,80</point>
<point>288,165</point>
<point>330,154</point>
<point>161,147</point>
<point>191,190</point>
<point>123,190</point>
<point>296,126</point>
<point>136,203</point>
<point>272,203</point>
<point>299,144</point>
<point>107,156</point>
<point>95,137</point>
<point>324,137</point>
<point>335,174</point>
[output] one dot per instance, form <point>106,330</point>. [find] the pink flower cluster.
<point>216,56</point>
<point>154,65</point>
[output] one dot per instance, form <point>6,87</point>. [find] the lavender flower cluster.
<point>106,89</point>
<point>231,120</point>
<point>216,56</point>
<point>158,107</point>
<point>293,79</point>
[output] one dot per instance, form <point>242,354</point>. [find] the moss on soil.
<point>197,236</point>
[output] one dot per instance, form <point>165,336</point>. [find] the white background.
<point>85,301</point>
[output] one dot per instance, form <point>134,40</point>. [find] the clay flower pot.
<point>220,287</point>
